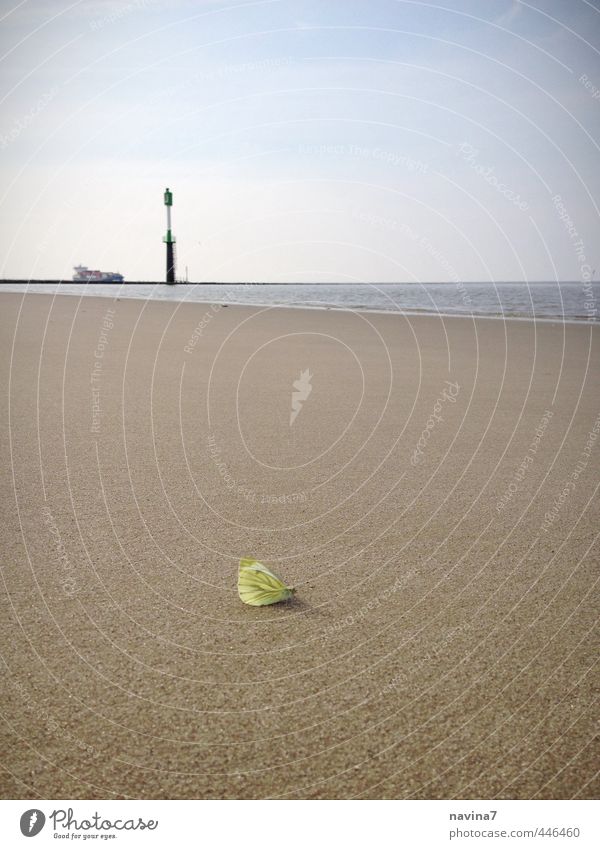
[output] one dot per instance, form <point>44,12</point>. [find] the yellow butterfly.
<point>257,585</point>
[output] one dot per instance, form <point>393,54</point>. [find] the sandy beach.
<point>434,501</point>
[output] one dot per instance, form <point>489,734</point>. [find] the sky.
<point>304,140</point>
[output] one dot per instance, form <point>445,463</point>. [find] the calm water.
<point>544,301</point>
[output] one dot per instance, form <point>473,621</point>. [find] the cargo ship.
<point>83,274</point>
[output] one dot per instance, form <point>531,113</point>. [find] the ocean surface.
<point>539,301</point>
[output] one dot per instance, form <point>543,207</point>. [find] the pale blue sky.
<point>303,139</point>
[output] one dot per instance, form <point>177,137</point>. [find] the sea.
<point>540,301</point>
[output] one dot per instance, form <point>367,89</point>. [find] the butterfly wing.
<point>258,586</point>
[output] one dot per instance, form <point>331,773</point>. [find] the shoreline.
<point>310,283</point>
<point>583,320</point>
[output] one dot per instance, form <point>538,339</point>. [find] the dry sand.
<point>439,647</point>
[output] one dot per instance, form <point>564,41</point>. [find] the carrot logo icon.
<point>303,389</point>
<point>32,822</point>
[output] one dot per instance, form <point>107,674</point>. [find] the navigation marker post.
<point>169,239</point>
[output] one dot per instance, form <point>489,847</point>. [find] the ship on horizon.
<point>83,274</point>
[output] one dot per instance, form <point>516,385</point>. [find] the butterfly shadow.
<point>304,608</point>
